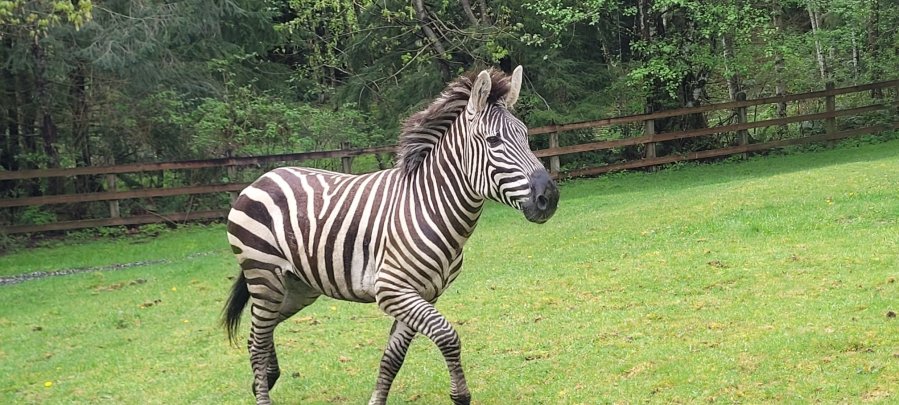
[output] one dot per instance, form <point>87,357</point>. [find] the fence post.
<point>113,204</point>
<point>896,96</point>
<point>741,119</point>
<point>649,129</point>
<point>830,124</point>
<point>232,178</point>
<point>554,166</point>
<point>346,161</point>
<point>742,134</point>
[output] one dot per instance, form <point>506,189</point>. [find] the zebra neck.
<point>441,189</point>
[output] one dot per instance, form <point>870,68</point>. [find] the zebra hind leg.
<point>273,370</point>
<point>400,337</point>
<point>267,312</point>
<point>298,296</point>
<point>261,345</point>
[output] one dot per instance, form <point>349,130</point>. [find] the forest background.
<point>111,82</point>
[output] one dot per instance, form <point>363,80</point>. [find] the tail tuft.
<point>240,294</point>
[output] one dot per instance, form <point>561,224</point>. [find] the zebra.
<point>392,237</point>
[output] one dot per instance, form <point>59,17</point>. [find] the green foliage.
<point>123,81</point>
<point>111,232</point>
<point>317,31</point>
<point>36,215</point>
<point>244,122</point>
<point>10,243</point>
<point>88,235</point>
<point>152,230</point>
<point>36,18</point>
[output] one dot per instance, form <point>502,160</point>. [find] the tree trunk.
<point>437,46</point>
<point>466,6</point>
<point>11,147</point>
<point>874,48</point>
<point>26,123</point>
<point>485,16</point>
<point>855,57</point>
<point>733,78</point>
<point>692,90</point>
<point>47,126</point>
<point>645,20</point>
<point>815,19</point>
<point>607,56</point>
<point>779,86</point>
<point>80,126</point>
<point>734,87</point>
<point>27,119</point>
<point>9,133</point>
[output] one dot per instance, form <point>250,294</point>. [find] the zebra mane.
<point>422,130</point>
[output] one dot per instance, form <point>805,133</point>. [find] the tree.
<point>26,26</point>
<point>115,81</point>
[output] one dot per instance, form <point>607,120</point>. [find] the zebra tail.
<point>240,294</point>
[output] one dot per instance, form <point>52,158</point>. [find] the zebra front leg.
<point>400,337</point>
<point>410,308</point>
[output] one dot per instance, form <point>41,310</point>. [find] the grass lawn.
<point>767,280</point>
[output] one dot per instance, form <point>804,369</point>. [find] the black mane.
<point>422,130</point>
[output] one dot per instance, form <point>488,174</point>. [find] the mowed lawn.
<point>767,280</point>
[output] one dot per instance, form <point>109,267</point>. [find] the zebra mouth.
<point>543,200</point>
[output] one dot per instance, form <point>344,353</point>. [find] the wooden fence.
<point>647,141</point>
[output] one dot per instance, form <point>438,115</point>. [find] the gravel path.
<point>37,275</point>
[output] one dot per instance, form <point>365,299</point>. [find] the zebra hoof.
<point>261,400</point>
<point>462,399</point>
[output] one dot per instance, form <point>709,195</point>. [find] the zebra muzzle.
<point>544,198</point>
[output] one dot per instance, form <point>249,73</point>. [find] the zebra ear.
<point>514,88</point>
<point>480,90</point>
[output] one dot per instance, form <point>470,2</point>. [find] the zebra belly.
<point>349,280</point>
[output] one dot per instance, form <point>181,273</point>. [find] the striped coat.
<point>394,237</point>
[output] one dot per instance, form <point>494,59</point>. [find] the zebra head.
<point>502,166</point>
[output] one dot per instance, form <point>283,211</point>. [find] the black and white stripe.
<point>393,237</point>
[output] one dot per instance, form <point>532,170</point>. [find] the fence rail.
<point>731,105</point>
<point>192,164</point>
<point>648,140</point>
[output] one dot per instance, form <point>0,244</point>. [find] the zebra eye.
<point>493,140</point>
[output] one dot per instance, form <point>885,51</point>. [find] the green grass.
<point>768,280</point>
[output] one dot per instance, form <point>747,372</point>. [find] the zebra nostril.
<point>541,202</point>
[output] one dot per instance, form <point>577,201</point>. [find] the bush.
<point>36,215</point>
